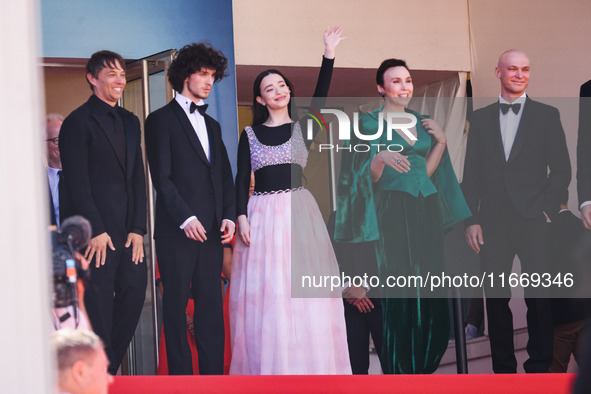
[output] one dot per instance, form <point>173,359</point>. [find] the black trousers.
<point>512,234</point>
<point>359,327</point>
<point>114,299</point>
<point>191,267</point>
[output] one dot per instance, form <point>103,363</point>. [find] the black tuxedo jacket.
<point>186,183</point>
<point>584,145</point>
<point>535,178</point>
<point>108,191</point>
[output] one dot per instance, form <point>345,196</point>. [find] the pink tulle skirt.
<point>273,333</point>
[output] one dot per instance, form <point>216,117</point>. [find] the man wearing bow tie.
<point>103,175</point>
<point>195,208</point>
<point>516,173</point>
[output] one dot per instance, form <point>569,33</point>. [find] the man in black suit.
<point>104,182</point>
<point>195,208</point>
<point>584,191</point>
<point>53,123</point>
<point>516,173</point>
<point>363,315</point>
<point>584,155</point>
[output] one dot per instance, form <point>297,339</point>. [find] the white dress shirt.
<point>197,121</point>
<point>510,123</point>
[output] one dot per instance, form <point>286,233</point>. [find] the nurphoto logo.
<point>394,121</point>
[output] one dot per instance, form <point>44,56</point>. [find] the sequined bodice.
<point>292,151</point>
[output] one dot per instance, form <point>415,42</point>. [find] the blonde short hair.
<point>72,345</point>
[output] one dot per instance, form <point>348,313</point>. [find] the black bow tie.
<point>200,108</point>
<point>515,107</point>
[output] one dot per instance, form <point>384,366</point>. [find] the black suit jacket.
<point>584,145</point>
<point>489,180</point>
<point>99,185</point>
<point>566,232</point>
<point>186,183</point>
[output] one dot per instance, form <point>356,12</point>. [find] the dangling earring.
<point>382,93</point>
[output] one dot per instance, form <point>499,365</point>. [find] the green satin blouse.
<point>356,219</point>
<point>416,180</point>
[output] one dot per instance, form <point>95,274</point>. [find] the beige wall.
<point>65,91</point>
<point>289,33</point>
<point>554,34</point>
<point>458,35</point>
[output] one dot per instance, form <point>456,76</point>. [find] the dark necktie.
<point>200,108</point>
<point>118,136</point>
<point>60,183</point>
<point>514,107</point>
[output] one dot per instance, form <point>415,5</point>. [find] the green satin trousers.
<point>416,328</point>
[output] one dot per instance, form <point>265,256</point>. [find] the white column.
<point>25,361</point>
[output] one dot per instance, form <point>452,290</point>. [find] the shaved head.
<point>513,72</point>
<point>506,55</point>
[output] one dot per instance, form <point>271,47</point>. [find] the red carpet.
<point>456,384</point>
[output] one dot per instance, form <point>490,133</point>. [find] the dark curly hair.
<point>100,60</point>
<point>386,64</point>
<point>192,58</point>
<point>260,113</point>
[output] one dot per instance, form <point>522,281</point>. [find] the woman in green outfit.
<point>403,198</point>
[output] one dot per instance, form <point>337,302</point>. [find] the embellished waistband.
<point>277,191</point>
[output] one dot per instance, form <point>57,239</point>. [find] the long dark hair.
<point>260,113</point>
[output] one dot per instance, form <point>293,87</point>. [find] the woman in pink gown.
<point>281,226</point>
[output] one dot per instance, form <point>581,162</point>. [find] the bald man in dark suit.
<point>516,173</point>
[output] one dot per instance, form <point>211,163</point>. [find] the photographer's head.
<point>81,362</point>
